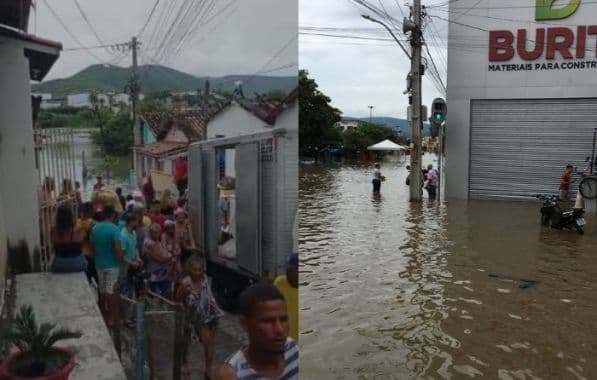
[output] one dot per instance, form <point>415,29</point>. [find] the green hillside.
<point>157,78</point>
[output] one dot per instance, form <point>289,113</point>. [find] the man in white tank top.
<point>270,355</point>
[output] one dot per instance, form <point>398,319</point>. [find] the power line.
<point>69,31</point>
<point>509,7</point>
<point>508,19</point>
<point>97,37</point>
<point>276,55</point>
<point>155,5</point>
<point>435,67</point>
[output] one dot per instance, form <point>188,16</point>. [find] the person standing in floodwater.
<point>565,183</point>
<point>432,181</point>
<point>377,179</point>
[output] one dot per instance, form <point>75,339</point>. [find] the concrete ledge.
<point>68,301</point>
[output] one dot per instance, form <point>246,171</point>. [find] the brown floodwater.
<point>394,290</point>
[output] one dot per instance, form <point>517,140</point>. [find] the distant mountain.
<point>400,125</point>
<point>158,78</point>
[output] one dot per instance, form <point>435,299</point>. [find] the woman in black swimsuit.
<point>67,240</point>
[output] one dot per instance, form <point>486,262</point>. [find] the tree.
<point>367,134</point>
<point>316,116</point>
<point>116,137</point>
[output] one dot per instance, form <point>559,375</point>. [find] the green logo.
<point>544,10</point>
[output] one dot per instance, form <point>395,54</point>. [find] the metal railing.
<point>158,339</point>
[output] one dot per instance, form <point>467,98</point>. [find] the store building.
<point>521,94</point>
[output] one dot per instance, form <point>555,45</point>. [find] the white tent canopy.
<point>386,145</point>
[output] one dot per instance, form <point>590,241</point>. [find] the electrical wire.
<point>155,5</point>
<point>97,37</point>
<point>71,34</point>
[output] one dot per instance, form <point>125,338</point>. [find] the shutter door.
<point>520,147</point>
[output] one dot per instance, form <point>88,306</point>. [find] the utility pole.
<point>134,89</point>
<point>371,114</point>
<point>416,122</point>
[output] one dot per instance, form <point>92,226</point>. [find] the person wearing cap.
<point>288,286</point>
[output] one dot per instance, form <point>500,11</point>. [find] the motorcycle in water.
<point>552,215</point>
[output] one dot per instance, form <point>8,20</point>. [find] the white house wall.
<point>235,121</point>
<point>470,77</point>
<point>19,178</point>
<point>288,119</point>
<point>176,135</point>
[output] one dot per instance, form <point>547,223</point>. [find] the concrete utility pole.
<point>371,114</point>
<point>134,89</point>
<point>416,122</point>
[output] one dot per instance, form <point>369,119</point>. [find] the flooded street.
<point>83,145</point>
<point>473,289</point>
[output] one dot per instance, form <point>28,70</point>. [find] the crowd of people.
<point>121,242</point>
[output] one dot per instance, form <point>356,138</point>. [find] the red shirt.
<point>180,169</point>
<point>158,219</point>
<point>565,183</point>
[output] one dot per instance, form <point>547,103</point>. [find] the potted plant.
<point>37,358</point>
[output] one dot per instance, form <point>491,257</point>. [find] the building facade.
<point>522,96</point>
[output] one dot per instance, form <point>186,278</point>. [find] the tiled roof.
<point>269,110</point>
<point>191,122</point>
<point>160,148</point>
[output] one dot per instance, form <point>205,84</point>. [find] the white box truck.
<point>243,202</point>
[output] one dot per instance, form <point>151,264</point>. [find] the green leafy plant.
<point>35,342</point>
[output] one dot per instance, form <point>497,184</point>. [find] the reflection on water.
<point>393,290</point>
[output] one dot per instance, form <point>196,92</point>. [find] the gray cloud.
<point>239,41</point>
<point>357,73</point>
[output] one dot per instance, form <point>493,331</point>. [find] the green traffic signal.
<point>438,116</point>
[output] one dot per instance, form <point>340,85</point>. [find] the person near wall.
<point>148,191</point>
<point>565,180</point>
<point>432,181</point>
<point>288,286</point>
<point>202,309</point>
<point>159,262</point>
<point>86,222</point>
<point>107,251</point>
<point>180,175</point>
<point>171,245</point>
<point>184,235</point>
<point>67,239</point>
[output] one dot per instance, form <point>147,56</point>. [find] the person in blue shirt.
<point>107,251</point>
<point>130,262</point>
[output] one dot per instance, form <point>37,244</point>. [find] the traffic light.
<point>439,109</point>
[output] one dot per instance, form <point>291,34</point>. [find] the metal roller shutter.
<point>519,147</point>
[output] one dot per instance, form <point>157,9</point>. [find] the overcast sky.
<point>244,36</point>
<point>358,73</point>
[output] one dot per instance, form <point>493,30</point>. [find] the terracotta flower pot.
<point>62,374</point>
